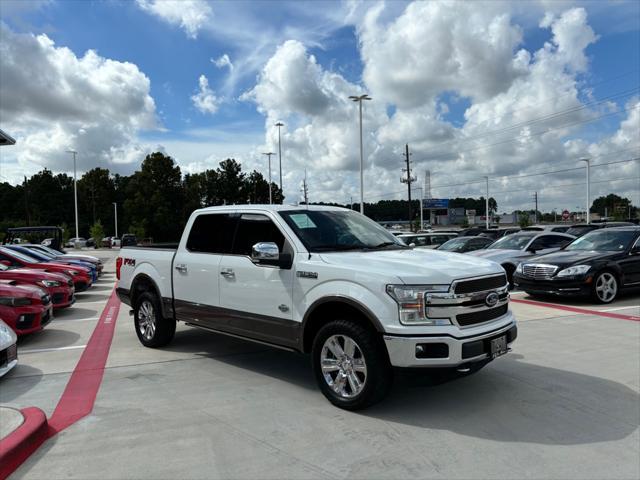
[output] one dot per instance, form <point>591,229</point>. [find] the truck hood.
<point>413,266</point>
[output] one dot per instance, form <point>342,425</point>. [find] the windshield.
<point>37,255</point>
<point>454,244</point>
<point>581,230</point>
<point>513,242</point>
<point>605,240</point>
<point>334,230</point>
<point>19,256</point>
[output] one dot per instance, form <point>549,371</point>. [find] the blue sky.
<point>334,48</point>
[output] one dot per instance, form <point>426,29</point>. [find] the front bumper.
<point>62,296</point>
<point>29,319</point>
<point>569,286</point>
<point>449,350</point>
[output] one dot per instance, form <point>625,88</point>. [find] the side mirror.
<point>412,245</point>
<point>268,253</point>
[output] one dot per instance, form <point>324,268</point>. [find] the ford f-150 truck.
<point>325,281</point>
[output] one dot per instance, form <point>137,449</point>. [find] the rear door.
<point>630,265</point>
<point>256,300</point>
<point>196,280</point>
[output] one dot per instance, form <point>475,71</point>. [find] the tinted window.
<point>513,242</point>
<point>604,240</point>
<point>550,241</point>
<point>212,233</point>
<point>254,229</point>
<point>581,230</point>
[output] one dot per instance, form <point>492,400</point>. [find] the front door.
<point>256,299</point>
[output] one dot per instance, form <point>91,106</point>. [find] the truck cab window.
<point>212,233</point>
<point>252,229</point>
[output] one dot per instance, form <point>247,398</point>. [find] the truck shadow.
<point>509,400</point>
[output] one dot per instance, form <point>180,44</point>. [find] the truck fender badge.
<point>491,299</point>
<point>283,308</point>
<point>302,274</point>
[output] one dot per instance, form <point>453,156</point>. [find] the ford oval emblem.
<point>491,299</point>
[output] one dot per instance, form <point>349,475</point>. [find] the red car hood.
<point>7,289</point>
<point>31,275</point>
<point>58,267</point>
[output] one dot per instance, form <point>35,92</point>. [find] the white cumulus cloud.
<point>190,15</point>
<point>205,100</point>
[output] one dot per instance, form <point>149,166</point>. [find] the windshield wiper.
<point>387,244</point>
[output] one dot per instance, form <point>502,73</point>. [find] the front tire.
<point>153,331</point>
<point>605,287</point>
<point>351,365</point>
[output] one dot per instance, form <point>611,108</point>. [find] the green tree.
<point>97,232</point>
<point>96,194</point>
<point>523,219</point>
<point>614,206</point>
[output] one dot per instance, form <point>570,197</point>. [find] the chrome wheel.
<point>343,366</point>
<point>606,287</point>
<point>147,320</point>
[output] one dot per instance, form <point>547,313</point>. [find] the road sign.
<point>435,203</point>
<point>565,214</point>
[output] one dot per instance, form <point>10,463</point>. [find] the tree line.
<point>155,201</point>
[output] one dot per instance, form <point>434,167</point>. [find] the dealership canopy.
<point>6,139</point>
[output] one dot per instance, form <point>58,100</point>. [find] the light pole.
<point>279,124</point>
<point>487,204</point>
<point>359,99</point>
<point>115,208</point>
<point>75,188</point>
<point>588,162</point>
<point>268,154</point>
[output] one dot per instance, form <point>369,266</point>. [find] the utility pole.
<point>359,99</point>
<point>279,124</point>
<point>535,212</point>
<point>75,187</point>
<point>588,162</point>
<point>268,154</point>
<point>305,188</point>
<point>115,208</point>
<point>408,180</point>
<point>486,204</point>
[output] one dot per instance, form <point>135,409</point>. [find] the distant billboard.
<point>435,203</point>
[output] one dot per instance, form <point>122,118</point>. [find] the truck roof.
<point>271,208</point>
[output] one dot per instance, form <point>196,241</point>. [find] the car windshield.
<point>605,240</point>
<point>581,230</point>
<point>454,244</point>
<point>50,251</point>
<point>513,242</point>
<point>19,256</point>
<point>43,257</point>
<point>335,230</point>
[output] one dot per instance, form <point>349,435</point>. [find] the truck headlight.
<point>575,270</point>
<point>410,300</point>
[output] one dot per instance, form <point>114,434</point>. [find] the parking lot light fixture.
<point>75,188</point>
<point>359,99</point>
<point>115,208</point>
<point>487,204</point>
<point>588,162</point>
<point>268,154</point>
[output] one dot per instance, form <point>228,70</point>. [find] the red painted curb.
<point>16,447</point>
<point>80,393</point>
<point>619,316</point>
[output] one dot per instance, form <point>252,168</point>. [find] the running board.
<point>240,337</point>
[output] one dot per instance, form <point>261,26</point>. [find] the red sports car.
<point>57,285</point>
<point>26,309</point>
<point>81,276</point>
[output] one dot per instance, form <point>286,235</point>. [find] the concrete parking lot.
<point>565,403</point>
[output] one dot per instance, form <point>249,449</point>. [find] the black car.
<point>465,244</point>
<point>128,240</point>
<point>496,233</point>
<point>598,264</point>
<point>582,228</point>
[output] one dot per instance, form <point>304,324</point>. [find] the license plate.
<point>498,346</point>
<point>12,353</point>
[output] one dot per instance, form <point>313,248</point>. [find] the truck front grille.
<point>538,270</point>
<point>480,284</point>
<point>466,319</point>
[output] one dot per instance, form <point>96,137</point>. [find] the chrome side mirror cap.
<point>265,252</point>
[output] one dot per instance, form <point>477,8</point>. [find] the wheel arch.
<point>144,283</point>
<point>327,308</point>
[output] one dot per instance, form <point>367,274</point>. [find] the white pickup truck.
<point>325,281</point>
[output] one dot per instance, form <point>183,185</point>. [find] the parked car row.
<point>599,262</point>
<point>34,282</point>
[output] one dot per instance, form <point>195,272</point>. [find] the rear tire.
<point>351,365</point>
<point>153,331</point>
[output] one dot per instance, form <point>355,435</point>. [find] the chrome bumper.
<point>402,350</point>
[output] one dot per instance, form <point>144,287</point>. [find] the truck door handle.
<point>181,267</point>
<point>227,273</point>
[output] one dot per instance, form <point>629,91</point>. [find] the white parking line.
<point>620,308</point>
<point>40,350</point>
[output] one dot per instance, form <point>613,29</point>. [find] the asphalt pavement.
<point>565,403</point>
